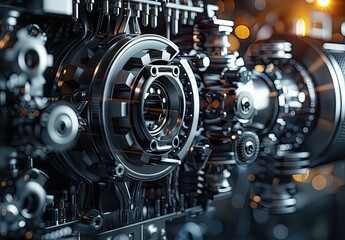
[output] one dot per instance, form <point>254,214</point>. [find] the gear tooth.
<point>50,60</point>
<point>239,149</point>
<point>246,154</point>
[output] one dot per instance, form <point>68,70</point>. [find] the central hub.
<point>245,104</point>
<point>156,108</point>
<point>162,108</point>
<point>244,109</point>
<point>249,148</point>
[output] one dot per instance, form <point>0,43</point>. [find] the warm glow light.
<point>259,68</point>
<point>260,4</point>
<point>234,43</point>
<point>253,205</point>
<point>301,177</point>
<point>229,4</point>
<point>323,3</point>
<point>28,235</point>
<point>257,198</point>
<point>271,67</point>
<point>279,26</point>
<point>251,177</point>
<point>319,182</point>
<point>242,31</point>
<point>300,28</point>
<point>221,6</point>
<point>60,83</point>
<point>5,40</point>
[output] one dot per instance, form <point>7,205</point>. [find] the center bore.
<point>249,148</point>
<point>155,108</point>
<point>245,109</point>
<point>245,104</point>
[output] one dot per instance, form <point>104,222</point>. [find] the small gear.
<point>247,148</point>
<point>60,126</point>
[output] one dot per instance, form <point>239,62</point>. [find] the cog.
<point>247,148</point>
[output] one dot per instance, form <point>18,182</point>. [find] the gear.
<point>247,148</point>
<point>30,58</point>
<point>60,126</point>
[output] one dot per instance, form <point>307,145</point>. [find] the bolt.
<point>152,232</point>
<point>97,222</point>
<point>223,114</point>
<point>116,171</point>
<point>243,75</point>
<point>119,170</point>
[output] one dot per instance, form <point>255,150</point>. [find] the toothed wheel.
<point>247,148</point>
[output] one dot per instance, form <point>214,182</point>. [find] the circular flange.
<point>142,106</point>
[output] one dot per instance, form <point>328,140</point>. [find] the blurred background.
<point>260,19</point>
<point>320,193</point>
<point>319,216</point>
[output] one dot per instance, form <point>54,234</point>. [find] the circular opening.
<point>119,170</point>
<point>155,108</point>
<point>249,148</point>
<point>245,105</point>
<point>30,204</point>
<point>98,221</point>
<point>163,108</point>
<point>154,71</point>
<point>153,145</point>
<point>176,71</point>
<point>176,142</point>
<point>32,59</point>
<point>62,127</point>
